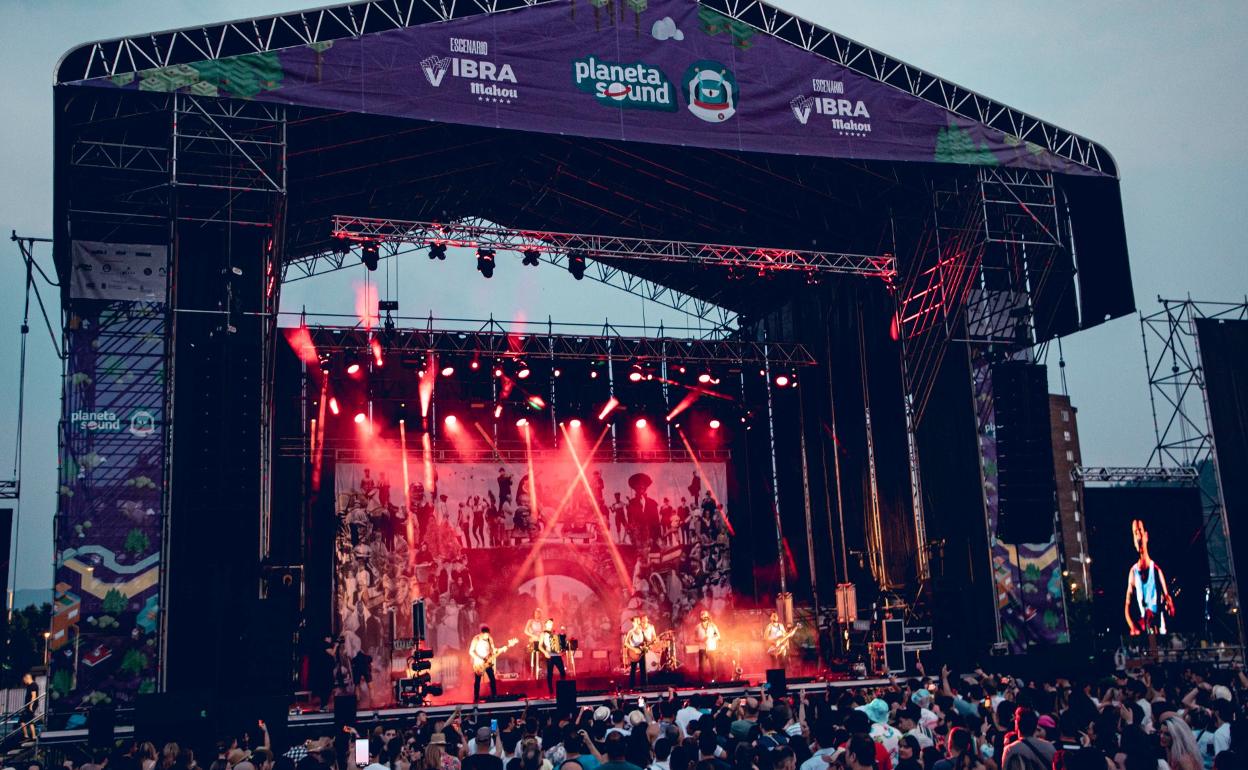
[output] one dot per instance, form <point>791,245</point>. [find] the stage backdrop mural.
<point>490,543</point>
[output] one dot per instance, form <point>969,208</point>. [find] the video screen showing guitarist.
<point>637,643</point>
<point>1148,602</point>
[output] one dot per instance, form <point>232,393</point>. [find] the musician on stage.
<point>1149,602</point>
<point>551,648</point>
<point>483,654</point>
<point>533,633</point>
<point>637,643</point>
<point>776,636</point>
<point>707,635</point>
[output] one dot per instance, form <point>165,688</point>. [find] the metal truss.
<point>505,451</point>
<point>495,342</point>
<point>1181,423</point>
<point>122,56</point>
<point>724,320</point>
<point>1130,474</point>
<point>475,233</point>
<point>1020,207</point>
<point>746,16</point>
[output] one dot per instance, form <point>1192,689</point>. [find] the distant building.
<point>65,615</point>
<point>1066,457</point>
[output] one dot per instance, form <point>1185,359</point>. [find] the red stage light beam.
<point>377,357</point>
<point>411,532</point>
<point>428,379</point>
<point>426,445</point>
<point>616,559</point>
<point>333,404</point>
<point>608,408</point>
<point>535,552</point>
<point>690,398</point>
<point>706,483</point>
<point>301,342</point>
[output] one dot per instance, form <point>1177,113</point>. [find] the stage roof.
<point>718,74</point>
<point>724,121</point>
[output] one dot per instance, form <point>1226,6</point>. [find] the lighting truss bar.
<point>509,452</point>
<point>755,15</point>
<point>475,234</point>
<point>724,320</point>
<point>495,344</point>
<point>1118,475</point>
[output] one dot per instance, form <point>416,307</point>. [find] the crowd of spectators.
<point>1155,719</point>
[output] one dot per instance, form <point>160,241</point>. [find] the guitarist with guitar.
<point>777,637</point>
<point>637,643</point>
<point>483,653</point>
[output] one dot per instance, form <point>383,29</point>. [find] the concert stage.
<point>844,430</point>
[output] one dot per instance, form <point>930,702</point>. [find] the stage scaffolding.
<point>1182,426</point>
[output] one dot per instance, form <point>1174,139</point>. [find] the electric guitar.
<point>780,645</point>
<point>479,665</point>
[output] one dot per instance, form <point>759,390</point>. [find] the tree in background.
<point>23,649</point>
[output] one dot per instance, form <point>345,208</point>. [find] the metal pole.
<point>810,529</point>
<point>775,476</point>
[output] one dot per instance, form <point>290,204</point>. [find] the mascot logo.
<point>712,91</point>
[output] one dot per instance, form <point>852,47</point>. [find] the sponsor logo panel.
<point>468,65</point>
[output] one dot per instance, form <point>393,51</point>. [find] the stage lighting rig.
<point>370,254</point>
<point>532,257</point>
<point>437,250</point>
<point>576,264</point>
<point>485,262</point>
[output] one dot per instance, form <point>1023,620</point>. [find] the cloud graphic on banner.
<point>666,29</point>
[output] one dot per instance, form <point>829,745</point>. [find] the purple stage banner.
<point>667,71</point>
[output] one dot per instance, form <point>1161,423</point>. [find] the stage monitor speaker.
<point>418,619</point>
<point>1025,484</point>
<point>344,710</point>
<point>565,696</point>
<point>777,682</point>
<point>894,631</point>
<point>101,726</point>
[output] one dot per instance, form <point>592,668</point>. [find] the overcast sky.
<point>1158,83</point>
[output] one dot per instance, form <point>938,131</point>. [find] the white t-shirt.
<point>1222,739</point>
<point>685,717</point>
<point>816,760</point>
<point>923,736</point>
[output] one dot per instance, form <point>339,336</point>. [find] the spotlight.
<point>641,423</point>
<point>360,418</point>
<point>576,264</point>
<point>437,250</point>
<point>634,376</point>
<point>353,368</point>
<point>575,423</point>
<point>485,262</point>
<point>714,424</point>
<point>498,411</point>
<point>532,257</point>
<point>704,377</point>
<point>370,254</point>
<point>451,421</point>
<point>522,423</point>
<point>523,372</point>
<point>475,365</point>
<point>447,371</point>
<point>558,372</point>
<point>333,405</point>
<point>498,372</point>
<point>782,380</point>
<point>593,375</point>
